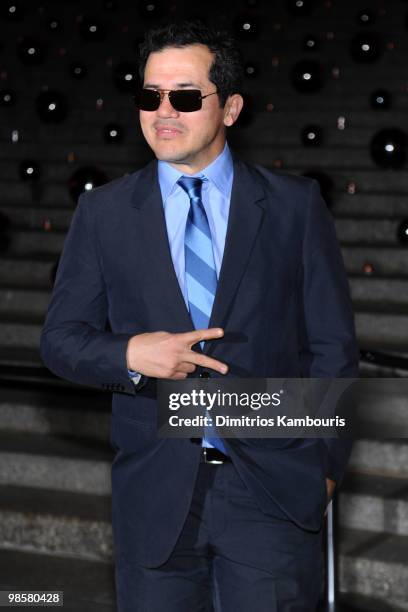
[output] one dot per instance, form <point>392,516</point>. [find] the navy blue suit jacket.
<point>283,301</point>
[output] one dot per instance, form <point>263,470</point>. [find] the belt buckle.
<point>212,461</point>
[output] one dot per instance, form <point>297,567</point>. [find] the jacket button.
<point>205,374</point>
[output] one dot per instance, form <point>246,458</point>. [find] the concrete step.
<point>52,171</point>
<point>381,331</point>
<point>88,586</point>
<point>27,273</point>
<point>373,306</point>
<point>381,371</point>
<point>367,231</point>
<point>56,522</point>
<point>34,242</point>
<point>353,602</point>
<point>391,364</point>
<point>24,302</point>
<point>374,565</point>
<point>38,217</point>
<point>368,289</point>
<point>386,261</point>
<point>275,132</point>
<point>19,336</point>
<point>362,205</point>
<point>84,133</point>
<point>388,457</point>
<point>49,194</point>
<point>21,357</point>
<point>52,195</point>
<point>383,408</point>
<point>86,152</point>
<point>366,180</point>
<point>377,502</point>
<point>74,413</point>
<point>56,462</point>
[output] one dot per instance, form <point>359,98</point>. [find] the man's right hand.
<point>166,355</point>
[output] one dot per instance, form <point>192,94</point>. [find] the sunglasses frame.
<point>169,92</point>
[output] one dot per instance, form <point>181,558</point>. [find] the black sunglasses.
<point>182,100</point>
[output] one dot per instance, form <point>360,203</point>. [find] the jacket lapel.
<point>245,215</point>
<point>160,283</point>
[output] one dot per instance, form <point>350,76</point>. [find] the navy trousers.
<point>230,557</point>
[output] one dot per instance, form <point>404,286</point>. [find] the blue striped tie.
<point>201,276</point>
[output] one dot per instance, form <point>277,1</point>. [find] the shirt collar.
<point>219,172</point>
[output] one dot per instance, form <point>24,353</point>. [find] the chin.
<point>170,156</point>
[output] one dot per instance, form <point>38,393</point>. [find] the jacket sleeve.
<point>330,347</point>
<point>75,342</point>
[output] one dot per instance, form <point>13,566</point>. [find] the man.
<point>204,266</point>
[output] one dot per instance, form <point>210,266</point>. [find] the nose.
<point>165,109</point>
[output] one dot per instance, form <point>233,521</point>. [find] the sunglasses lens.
<point>186,100</point>
<point>147,100</point>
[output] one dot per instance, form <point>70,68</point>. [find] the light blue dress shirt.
<point>215,195</point>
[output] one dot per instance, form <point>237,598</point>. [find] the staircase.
<point>55,455</point>
<point>55,504</point>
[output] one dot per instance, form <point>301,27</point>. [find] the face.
<point>188,141</point>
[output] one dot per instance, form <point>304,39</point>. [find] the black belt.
<point>213,456</point>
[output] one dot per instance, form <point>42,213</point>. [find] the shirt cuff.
<point>134,376</point>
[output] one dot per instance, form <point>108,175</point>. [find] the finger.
<point>208,362</point>
<point>179,375</point>
<point>187,366</point>
<point>202,334</point>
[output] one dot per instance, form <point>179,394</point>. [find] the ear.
<point>232,108</point>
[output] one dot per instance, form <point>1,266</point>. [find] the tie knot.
<point>191,185</point>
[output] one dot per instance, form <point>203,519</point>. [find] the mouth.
<point>167,132</point>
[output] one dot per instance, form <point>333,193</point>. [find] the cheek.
<point>202,125</point>
<point>146,122</point>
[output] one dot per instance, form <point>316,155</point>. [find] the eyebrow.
<point>178,85</point>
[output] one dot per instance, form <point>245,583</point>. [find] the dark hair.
<point>226,71</point>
